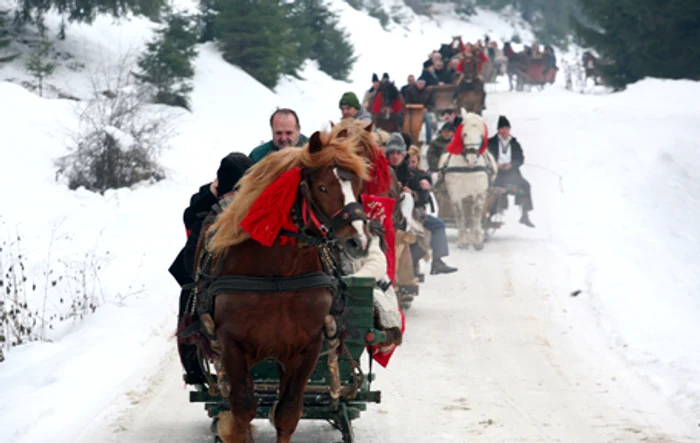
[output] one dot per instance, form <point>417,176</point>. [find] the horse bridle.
<point>309,211</point>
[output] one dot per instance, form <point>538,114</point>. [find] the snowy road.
<point>486,358</point>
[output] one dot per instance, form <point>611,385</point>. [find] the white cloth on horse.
<point>505,151</point>
<point>374,265</point>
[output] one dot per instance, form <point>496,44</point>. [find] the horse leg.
<point>477,222</point>
<point>293,381</point>
<point>234,426</point>
<point>462,242</point>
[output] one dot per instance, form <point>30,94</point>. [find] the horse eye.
<point>323,189</point>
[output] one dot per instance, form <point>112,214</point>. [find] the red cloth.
<point>188,232</point>
<point>377,106</point>
<point>380,179</point>
<point>382,209</point>
<point>456,146</point>
<point>381,357</point>
<point>271,212</point>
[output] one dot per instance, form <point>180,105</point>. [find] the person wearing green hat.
<point>350,108</point>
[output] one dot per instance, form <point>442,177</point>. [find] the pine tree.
<point>167,63</point>
<point>6,53</point>
<point>39,65</point>
<point>643,38</point>
<point>87,10</point>
<point>251,34</point>
<point>335,54</point>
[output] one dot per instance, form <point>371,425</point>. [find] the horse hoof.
<point>479,246</point>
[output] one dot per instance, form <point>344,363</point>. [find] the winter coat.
<point>263,150</point>
<point>182,269</point>
<point>516,151</point>
<point>430,78</point>
<point>415,96</point>
<point>364,115</point>
<point>411,178</point>
<point>435,150</point>
<point>368,99</point>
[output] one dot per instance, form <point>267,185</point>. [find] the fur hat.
<point>350,99</point>
<point>503,122</point>
<point>395,143</point>
<point>231,169</point>
<point>375,77</point>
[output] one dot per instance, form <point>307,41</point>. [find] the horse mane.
<point>336,151</point>
<point>366,146</point>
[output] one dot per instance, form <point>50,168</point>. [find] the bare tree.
<point>120,134</point>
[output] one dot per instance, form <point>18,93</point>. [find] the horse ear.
<point>332,124</point>
<point>315,144</point>
<point>464,114</point>
<point>343,133</point>
<point>369,127</point>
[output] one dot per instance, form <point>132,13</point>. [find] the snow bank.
<point>627,220</point>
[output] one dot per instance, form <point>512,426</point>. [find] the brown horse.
<point>273,295</point>
<point>470,91</point>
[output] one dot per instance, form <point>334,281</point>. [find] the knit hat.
<point>395,144</point>
<point>375,77</point>
<point>503,122</point>
<point>232,168</point>
<point>350,99</point>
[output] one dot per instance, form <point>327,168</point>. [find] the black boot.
<point>416,271</point>
<point>439,267</point>
<point>525,219</point>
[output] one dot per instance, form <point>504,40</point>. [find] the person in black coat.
<point>419,183</point>
<point>230,171</point>
<point>509,155</point>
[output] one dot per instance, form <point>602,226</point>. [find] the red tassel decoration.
<point>485,146</point>
<point>271,212</point>
<point>380,179</point>
<point>456,146</point>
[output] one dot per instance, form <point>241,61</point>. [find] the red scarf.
<point>271,212</point>
<point>456,146</point>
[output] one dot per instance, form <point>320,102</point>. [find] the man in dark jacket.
<point>418,94</point>
<point>230,171</point>
<point>286,132</point>
<point>437,147</point>
<point>420,183</point>
<point>509,156</point>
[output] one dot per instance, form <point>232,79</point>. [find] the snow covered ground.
<point>498,352</point>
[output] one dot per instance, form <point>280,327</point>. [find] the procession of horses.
<point>304,261</point>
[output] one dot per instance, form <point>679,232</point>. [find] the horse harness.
<point>209,281</point>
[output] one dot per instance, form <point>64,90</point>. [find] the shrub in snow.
<point>118,139</point>
<point>32,304</point>
<point>167,64</point>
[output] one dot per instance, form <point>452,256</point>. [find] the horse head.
<point>474,136</point>
<point>389,94</point>
<point>331,206</point>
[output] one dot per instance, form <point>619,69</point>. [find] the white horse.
<point>469,172</point>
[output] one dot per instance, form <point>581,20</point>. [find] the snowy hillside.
<point>623,231</point>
